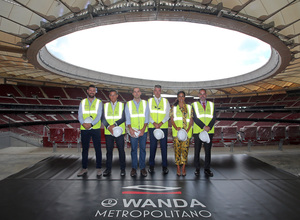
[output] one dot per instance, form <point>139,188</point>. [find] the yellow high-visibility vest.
<point>90,111</point>
<point>113,116</point>
<point>158,113</point>
<point>178,117</point>
<point>204,115</point>
<point>137,117</point>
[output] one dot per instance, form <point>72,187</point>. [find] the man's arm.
<point>80,116</point>
<point>121,120</point>
<point>213,120</point>
<point>147,114</point>
<point>167,117</point>
<point>99,114</point>
<point>103,119</point>
<point>127,115</point>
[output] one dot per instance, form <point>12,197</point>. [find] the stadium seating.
<point>264,133</point>
<point>293,133</point>
<point>10,100</point>
<point>6,90</point>
<point>249,135</point>
<point>75,93</point>
<point>52,100</point>
<point>30,91</point>
<point>279,135</point>
<point>29,101</point>
<point>230,136</point>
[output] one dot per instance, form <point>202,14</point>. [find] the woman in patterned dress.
<point>181,118</point>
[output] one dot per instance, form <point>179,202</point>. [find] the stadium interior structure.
<point>34,84</point>
<point>40,95</point>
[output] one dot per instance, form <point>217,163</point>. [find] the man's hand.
<point>87,126</point>
<point>141,133</point>
<point>206,128</point>
<point>157,125</point>
<point>131,131</point>
<point>110,128</point>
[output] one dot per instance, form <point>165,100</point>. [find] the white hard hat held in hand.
<point>117,131</point>
<point>204,136</point>
<point>158,134</point>
<point>182,135</point>
<point>136,132</point>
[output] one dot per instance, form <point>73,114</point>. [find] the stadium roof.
<point>26,26</point>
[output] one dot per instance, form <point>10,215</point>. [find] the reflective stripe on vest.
<point>112,118</point>
<point>178,120</point>
<point>156,110</point>
<point>106,105</point>
<point>137,115</point>
<point>92,110</point>
<point>203,116</point>
<point>84,111</point>
<point>138,119</point>
<point>175,118</point>
<point>156,113</point>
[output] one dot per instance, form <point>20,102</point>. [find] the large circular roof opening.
<point>163,51</point>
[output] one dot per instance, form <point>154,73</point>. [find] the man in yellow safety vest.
<point>159,116</point>
<point>137,118</point>
<point>89,116</point>
<point>204,120</point>
<point>114,115</point>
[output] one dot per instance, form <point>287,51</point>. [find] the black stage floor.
<point>242,188</point>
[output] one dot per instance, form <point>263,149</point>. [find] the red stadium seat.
<point>278,134</point>
<point>249,135</point>
<point>264,133</point>
<point>230,136</point>
<point>55,136</point>
<point>293,133</point>
<point>217,135</point>
<point>71,135</point>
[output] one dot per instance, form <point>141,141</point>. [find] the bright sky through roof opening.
<point>163,50</point>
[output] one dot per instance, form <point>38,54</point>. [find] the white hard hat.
<point>136,132</point>
<point>204,136</point>
<point>158,134</point>
<point>88,120</point>
<point>117,131</point>
<point>182,135</point>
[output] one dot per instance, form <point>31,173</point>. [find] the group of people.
<point>141,117</point>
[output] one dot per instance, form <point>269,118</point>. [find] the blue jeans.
<point>163,146</point>
<point>110,140</point>
<point>134,146</point>
<point>86,136</point>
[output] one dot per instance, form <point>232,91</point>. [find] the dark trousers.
<point>110,140</point>
<point>86,136</point>
<point>163,146</point>
<point>207,149</point>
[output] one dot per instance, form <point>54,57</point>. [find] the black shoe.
<point>165,170</point>
<point>144,172</point>
<point>107,172</point>
<point>133,172</point>
<point>151,169</point>
<point>123,173</point>
<point>197,172</point>
<point>208,173</point>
